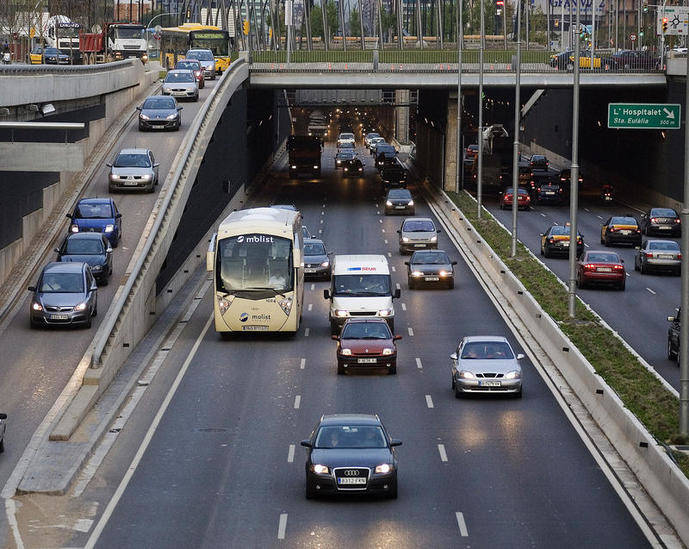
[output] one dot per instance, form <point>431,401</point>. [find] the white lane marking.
<point>323,206</point>
<point>599,216</point>
<point>386,241</point>
<point>397,285</point>
<point>418,363</point>
<point>310,306</point>
<point>383,230</point>
<point>306,332</point>
<point>411,332</point>
<point>282,525</point>
<point>404,307</point>
<point>429,401</point>
<point>586,245</point>
<point>586,210</point>
<point>313,286</point>
<point>297,402</point>
<point>393,268</point>
<point>290,454</point>
<point>320,231</point>
<point>462,525</point>
<point>442,452</point>
<point>380,221</point>
<point>542,214</point>
<point>107,513</point>
<point>649,289</point>
<point>389,254</point>
<point>302,365</point>
<point>10,511</point>
<point>627,274</point>
<point>321,221</point>
<point>376,204</point>
<point>322,213</point>
<point>82,525</point>
<point>378,212</point>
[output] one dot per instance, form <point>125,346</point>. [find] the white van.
<point>360,287</point>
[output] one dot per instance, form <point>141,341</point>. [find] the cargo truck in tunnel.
<point>304,155</point>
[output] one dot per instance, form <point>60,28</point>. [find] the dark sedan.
<point>659,255</point>
<point>385,156</point>
<point>399,201</point>
<point>352,167</point>
<point>160,112</point>
<point>393,174</point>
<point>366,343</point>
<point>316,259</point>
<point>431,267</point>
<point>556,241</point>
<point>550,192</point>
<point>53,56</point>
<point>98,215</point>
<point>91,248</point>
<point>663,221</point>
<point>66,294</point>
<point>344,156</point>
<point>350,454</point>
<point>620,230</point>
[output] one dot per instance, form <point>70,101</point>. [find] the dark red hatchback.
<point>366,343</point>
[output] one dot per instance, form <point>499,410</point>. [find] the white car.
<point>345,138</point>
<point>369,137</point>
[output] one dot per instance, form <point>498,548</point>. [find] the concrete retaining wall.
<point>647,459</point>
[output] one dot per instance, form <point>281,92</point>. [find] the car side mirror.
<point>397,293</point>
<point>156,164</point>
<point>108,250</point>
<point>138,108</point>
<point>3,416</point>
<point>335,337</point>
<point>669,319</point>
<point>179,108</point>
<point>108,164</point>
<point>32,288</point>
<point>540,234</point>
<point>326,294</point>
<point>453,356</point>
<point>399,232</point>
<point>406,263</point>
<point>306,443</point>
<point>437,230</point>
<point>68,216</point>
<point>520,356</point>
<point>396,338</point>
<point>395,442</point>
<point>94,287</point>
<point>56,250</point>
<point>621,260</point>
<point>118,216</point>
<point>637,247</point>
<point>454,263</point>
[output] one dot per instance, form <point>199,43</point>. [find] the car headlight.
<point>285,304</point>
<point>388,203</point>
<point>410,203</point>
<point>74,228</point>
<point>147,177</point>
<point>325,263</point>
<point>383,468</point>
<point>434,238</point>
<point>388,351</point>
<point>514,374</point>
<point>320,469</point>
<point>166,90</point>
<point>361,169</point>
<point>346,352</point>
<point>36,306</point>
<point>417,273</point>
<point>346,169</point>
<point>315,167</point>
<point>172,116</point>
<point>466,374</point>
<point>114,177</point>
<point>109,228</point>
<point>385,312</point>
<point>294,167</point>
<point>444,273</point>
<point>341,313</point>
<point>405,239</point>
<point>81,306</point>
<point>339,162</point>
<point>144,117</point>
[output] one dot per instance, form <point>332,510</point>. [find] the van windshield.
<point>358,285</point>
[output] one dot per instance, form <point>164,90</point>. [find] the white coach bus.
<point>257,262</point>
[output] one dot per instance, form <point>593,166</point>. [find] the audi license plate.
<point>130,183</point>
<point>666,256</point>
<point>419,245</point>
<point>665,227</point>
<point>351,480</point>
<point>400,207</point>
<point>255,328</point>
<point>309,270</point>
<point>59,317</point>
<point>431,278</point>
<point>550,193</point>
<point>366,360</point>
<point>489,383</point>
<point>604,269</point>
<point>626,232</point>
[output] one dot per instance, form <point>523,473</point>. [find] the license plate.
<point>309,270</point>
<point>489,383</point>
<point>604,269</point>
<point>255,328</point>
<point>130,183</point>
<point>665,227</point>
<point>549,193</point>
<point>59,317</point>
<point>366,360</point>
<point>419,245</point>
<point>626,232</point>
<point>158,126</point>
<point>666,256</point>
<point>400,207</point>
<point>351,480</point>
<point>431,278</point>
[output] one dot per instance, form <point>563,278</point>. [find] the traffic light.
<point>664,24</point>
<point>645,7</point>
<point>245,27</point>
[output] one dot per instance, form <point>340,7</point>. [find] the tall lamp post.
<point>515,145</point>
<point>460,151</point>
<point>684,311</point>
<point>479,183</point>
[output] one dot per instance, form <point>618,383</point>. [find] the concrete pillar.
<point>451,144</point>
<point>402,116</point>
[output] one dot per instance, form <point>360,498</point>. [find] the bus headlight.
<point>224,302</point>
<point>285,305</point>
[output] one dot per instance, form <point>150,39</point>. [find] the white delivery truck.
<point>360,287</point>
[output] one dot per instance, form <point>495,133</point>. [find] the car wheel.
<point>410,282</point>
<point>340,370</point>
<point>636,265</point>
<point>2,446</point>
<point>546,252</point>
<point>602,241</point>
<point>33,325</point>
<point>606,242</point>
<point>88,323</point>
<point>310,490</point>
<point>333,328</point>
<point>677,272</point>
<point>392,370</point>
<point>391,325</point>
<point>458,393</point>
<point>643,268</point>
<point>670,354</point>
<point>622,286</point>
<point>392,493</point>
<point>542,251</point>
<point>519,393</point>
<point>451,285</point>
<point>452,382</point>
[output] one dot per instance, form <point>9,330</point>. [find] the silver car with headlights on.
<point>133,169</point>
<point>418,233</point>
<point>486,364</point>
<point>182,84</point>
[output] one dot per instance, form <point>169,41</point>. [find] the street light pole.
<point>515,145</point>
<point>460,151</point>
<point>479,183</point>
<point>684,311</point>
<point>574,181</point>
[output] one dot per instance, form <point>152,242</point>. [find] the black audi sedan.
<point>663,221</point>
<point>91,248</point>
<point>350,454</point>
<point>159,112</point>
<point>399,201</point>
<point>430,267</point>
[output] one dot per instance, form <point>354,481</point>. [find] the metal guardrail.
<point>27,70</point>
<point>117,307</point>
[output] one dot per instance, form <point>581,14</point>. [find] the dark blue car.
<point>97,215</point>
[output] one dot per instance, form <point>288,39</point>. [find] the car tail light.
<point>552,240</point>
<point>618,267</point>
<point>679,256</point>
<point>648,254</point>
<point>638,230</point>
<point>589,267</point>
<point>560,190</point>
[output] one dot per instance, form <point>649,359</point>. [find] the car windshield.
<point>418,226</point>
<point>366,330</point>
<point>487,350</point>
<point>350,436</point>
<point>187,65</point>
<point>131,160</point>
<point>602,257</point>
<point>346,136</point>
<point>180,77</point>
<point>93,211</point>
<point>372,135</point>
<point>559,230</point>
<point>159,103</point>
<point>399,193</point>
<point>357,285</point>
<point>623,221</point>
<point>378,140</point>
<point>52,51</point>
<point>84,246</point>
<point>430,258</point>
<point>68,283</point>
<point>200,55</point>
<point>345,155</point>
<point>663,212</point>
<point>314,248</point>
<point>346,145</point>
<point>663,245</point>
<point>129,32</point>
<point>254,263</point>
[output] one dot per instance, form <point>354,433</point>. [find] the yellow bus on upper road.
<point>176,41</point>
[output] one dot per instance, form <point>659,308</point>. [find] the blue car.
<point>97,215</point>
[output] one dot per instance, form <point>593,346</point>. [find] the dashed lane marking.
<point>310,306</point>
<point>389,254</point>
<point>393,269</point>
<point>651,291</point>
<point>290,454</point>
<point>302,365</point>
<point>297,402</point>
<point>397,285</point>
<point>386,241</point>
<point>404,307</point>
<point>542,214</point>
<point>462,524</point>
<point>410,330</point>
<point>429,401</point>
<point>282,525</point>
<point>306,332</point>
<point>442,452</point>
<point>418,363</point>
<point>313,286</point>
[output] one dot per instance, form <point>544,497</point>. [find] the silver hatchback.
<point>418,233</point>
<point>207,61</point>
<point>182,84</point>
<point>133,169</point>
<point>486,364</point>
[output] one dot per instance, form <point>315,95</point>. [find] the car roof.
<point>361,263</point>
<point>358,419</point>
<point>133,151</point>
<point>85,236</point>
<point>178,71</point>
<point>418,219</point>
<point>95,200</point>
<point>159,95</point>
<point>485,338</point>
<point>373,319</point>
<point>67,267</point>
<point>199,49</point>
<point>313,241</point>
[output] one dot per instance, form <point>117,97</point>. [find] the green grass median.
<point>642,393</point>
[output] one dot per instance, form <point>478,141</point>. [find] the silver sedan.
<point>486,364</point>
<point>182,84</point>
<point>658,255</point>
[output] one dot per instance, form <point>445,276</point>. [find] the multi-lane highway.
<point>222,467</point>
<point>639,313</point>
<point>36,364</point>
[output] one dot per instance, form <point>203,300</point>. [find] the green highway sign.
<point>644,116</point>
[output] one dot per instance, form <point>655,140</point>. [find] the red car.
<point>195,66</point>
<point>601,267</point>
<point>366,343</point>
<point>523,199</point>
<point>471,151</point>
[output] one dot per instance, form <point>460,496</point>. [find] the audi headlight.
<point>410,203</point>
<point>388,351</point>
<point>341,313</point>
<point>294,167</point>
<point>434,238</point>
<point>224,303</point>
<point>315,167</point>
<point>388,203</point>
<point>36,306</point>
<point>144,117</point>
<point>285,304</point>
<point>109,228</point>
<point>114,177</point>
<point>346,169</point>
<point>346,352</point>
<point>465,374</point>
<point>417,273</point>
<point>514,374</point>
<point>444,273</point>
<point>405,239</point>
<point>166,90</point>
<point>325,263</point>
<point>383,468</point>
<point>320,469</point>
<point>385,312</point>
<point>81,306</point>
<point>172,116</point>
<point>74,228</point>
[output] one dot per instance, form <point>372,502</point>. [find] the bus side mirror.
<point>326,294</point>
<point>397,294</point>
<point>210,254</point>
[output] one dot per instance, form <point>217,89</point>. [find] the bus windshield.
<point>254,264</point>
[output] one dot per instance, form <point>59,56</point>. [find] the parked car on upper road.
<point>53,56</point>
